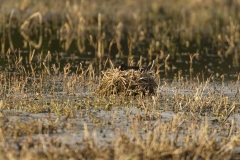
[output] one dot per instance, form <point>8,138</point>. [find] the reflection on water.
<point>203,66</point>
<point>64,48</point>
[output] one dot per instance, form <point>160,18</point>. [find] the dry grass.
<point>128,82</point>
<point>52,113</point>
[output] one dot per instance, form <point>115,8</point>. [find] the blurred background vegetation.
<point>127,29</point>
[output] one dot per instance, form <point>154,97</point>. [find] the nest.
<point>128,82</point>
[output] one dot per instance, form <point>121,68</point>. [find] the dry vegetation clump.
<point>128,82</point>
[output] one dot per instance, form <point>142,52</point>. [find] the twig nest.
<point>129,82</point>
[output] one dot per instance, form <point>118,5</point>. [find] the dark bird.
<point>124,67</point>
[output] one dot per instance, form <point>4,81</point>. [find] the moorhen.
<point>124,67</point>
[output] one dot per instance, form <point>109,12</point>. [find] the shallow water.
<point>107,124</point>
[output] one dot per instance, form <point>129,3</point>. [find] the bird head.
<point>122,67</point>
